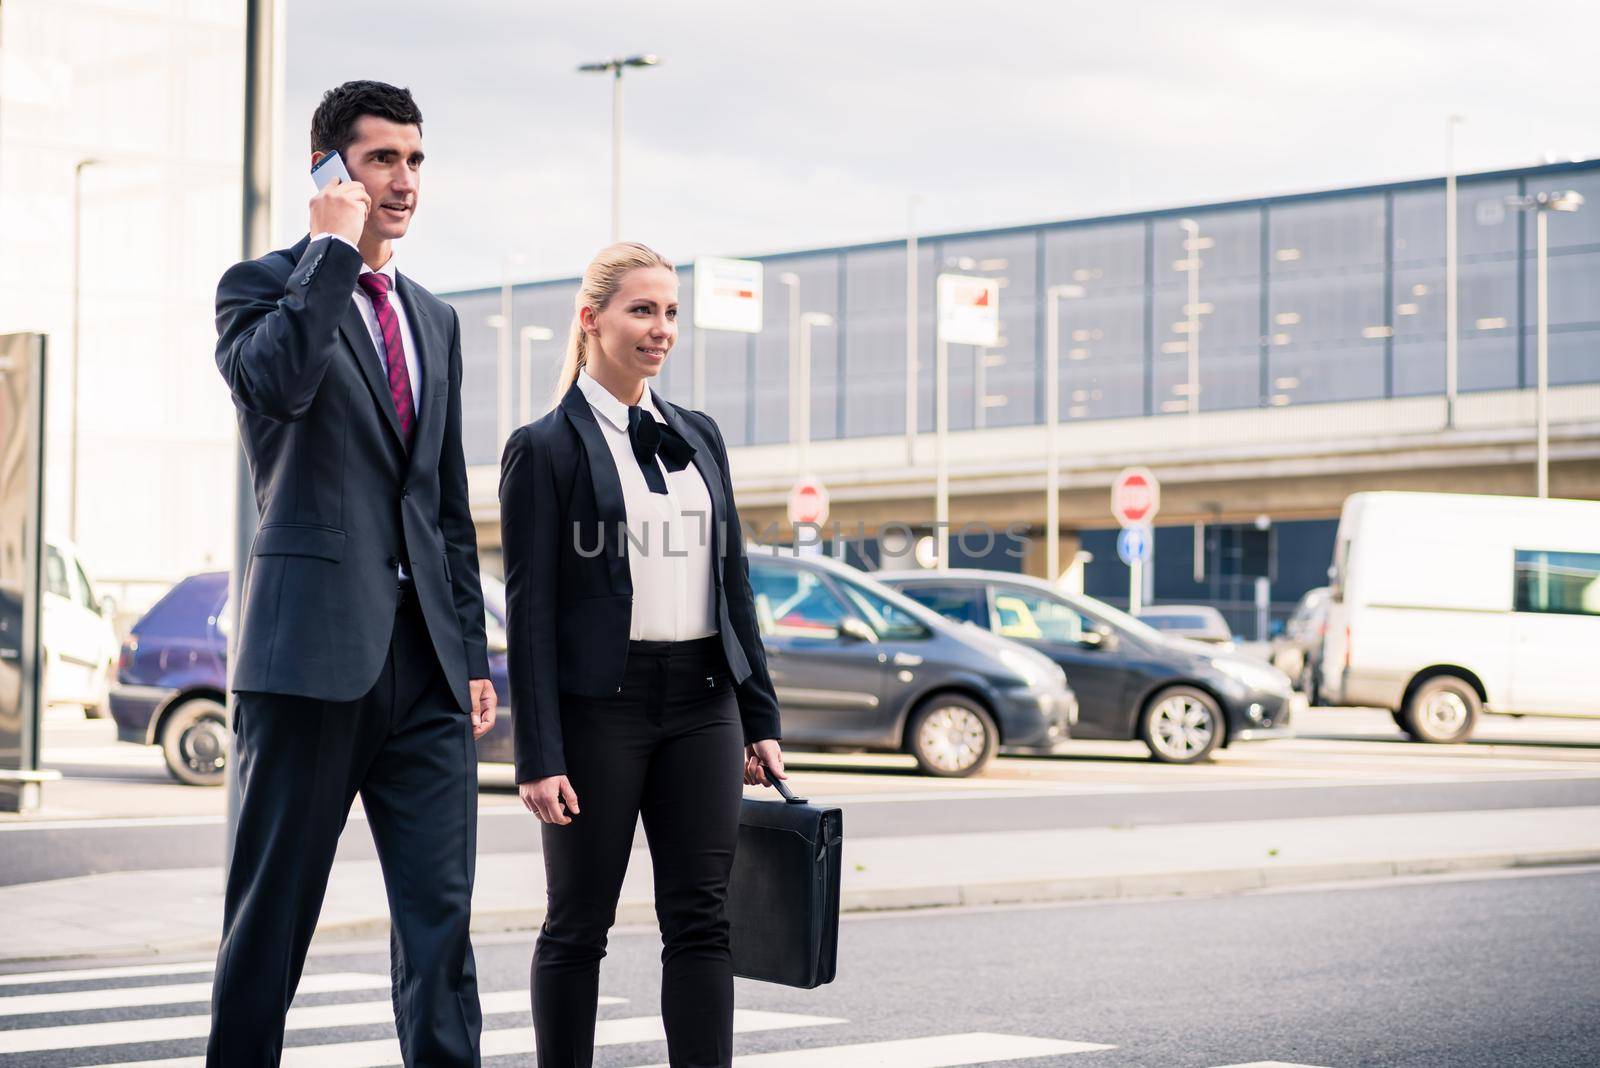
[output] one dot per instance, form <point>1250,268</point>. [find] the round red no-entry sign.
<point>1135,496</point>
<point>808,502</point>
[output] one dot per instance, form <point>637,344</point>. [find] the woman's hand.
<point>756,754</point>
<point>544,798</point>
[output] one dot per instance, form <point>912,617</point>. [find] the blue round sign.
<point>1133,543</point>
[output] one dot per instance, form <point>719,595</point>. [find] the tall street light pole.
<point>1542,204</point>
<point>260,40</point>
<point>528,335</point>
<point>1052,410</point>
<point>1452,276</point>
<point>1191,263</point>
<point>911,328</point>
<point>503,351</point>
<point>791,282</point>
<point>941,448</point>
<point>807,321</point>
<point>614,68</point>
<point>77,330</point>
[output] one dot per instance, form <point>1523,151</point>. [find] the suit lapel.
<point>354,329</point>
<point>705,461</point>
<point>613,512</point>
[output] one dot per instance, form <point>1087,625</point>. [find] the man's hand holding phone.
<point>340,206</point>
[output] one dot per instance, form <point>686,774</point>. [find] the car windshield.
<point>892,620</point>
<point>1165,622</point>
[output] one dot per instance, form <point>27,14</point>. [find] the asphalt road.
<point>1466,972</point>
<point>117,811</point>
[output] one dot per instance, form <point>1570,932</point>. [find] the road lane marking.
<point>172,1028</point>
<point>123,997</point>
<point>130,971</point>
<point>383,1053</point>
<point>935,1051</point>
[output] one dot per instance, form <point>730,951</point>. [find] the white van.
<point>1449,605</point>
<point>80,643</point>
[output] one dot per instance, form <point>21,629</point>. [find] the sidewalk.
<point>180,910</point>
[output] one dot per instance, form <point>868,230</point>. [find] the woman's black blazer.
<point>569,594</point>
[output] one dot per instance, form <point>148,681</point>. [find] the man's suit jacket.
<point>342,500</point>
<point>569,593</point>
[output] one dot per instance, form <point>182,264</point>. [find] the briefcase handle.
<point>783,787</point>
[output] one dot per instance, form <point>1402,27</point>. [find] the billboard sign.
<point>727,295</point>
<point>969,310</point>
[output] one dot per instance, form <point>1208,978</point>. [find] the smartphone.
<point>328,168</point>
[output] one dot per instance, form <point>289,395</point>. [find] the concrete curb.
<point>936,896</point>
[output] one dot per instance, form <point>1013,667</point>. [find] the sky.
<point>770,127</point>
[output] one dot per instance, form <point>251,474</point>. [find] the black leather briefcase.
<point>783,900</point>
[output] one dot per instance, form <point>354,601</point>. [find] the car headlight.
<point>1256,676</point>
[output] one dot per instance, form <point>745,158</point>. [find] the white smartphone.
<point>328,168</point>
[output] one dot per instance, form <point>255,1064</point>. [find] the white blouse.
<point>670,535</point>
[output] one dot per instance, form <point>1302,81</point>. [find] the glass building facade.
<point>1305,299</point>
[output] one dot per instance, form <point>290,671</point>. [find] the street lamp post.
<point>1191,263</point>
<point>77,329</point>
<point>1542,204</point>
<point>1452,276</point>
<point>503,351</point>
<point>941,449</point>
<point>791,282</point>
<point>911,328</point>
<point>614,68</point>
<point>528,335</point>
<point>501,323</point>
<point>1052,410</point>
<point>807,321</point>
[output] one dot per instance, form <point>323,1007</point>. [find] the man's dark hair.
<point>333,124</point>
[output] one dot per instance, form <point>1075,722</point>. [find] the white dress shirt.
<point>673,595</point>
<point>370,317</point>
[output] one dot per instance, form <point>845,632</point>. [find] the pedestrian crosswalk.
<point>61,1014</point>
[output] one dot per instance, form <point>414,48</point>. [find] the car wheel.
<point>952,736</point>
<point>1181,725</point>
<point>1443,710</point>
<point>194,740</point>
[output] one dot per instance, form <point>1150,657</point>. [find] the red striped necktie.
<point>394,350</point>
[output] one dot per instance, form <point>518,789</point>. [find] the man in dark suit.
<point>362,664</point>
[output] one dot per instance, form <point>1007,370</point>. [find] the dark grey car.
<point>1181,698</point>
<point>858,666</point>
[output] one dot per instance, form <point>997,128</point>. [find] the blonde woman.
<point>638,682</point>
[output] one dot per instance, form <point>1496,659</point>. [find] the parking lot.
<point>105,779</point>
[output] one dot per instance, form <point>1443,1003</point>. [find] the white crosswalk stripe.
<point>129,996</point>
<point>385,1052</point>
<point>935,1051</point>
<point>508,1028</point>
<point>171,1028</point>
<point>128,971</point>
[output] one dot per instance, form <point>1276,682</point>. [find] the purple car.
<point>170,679</point>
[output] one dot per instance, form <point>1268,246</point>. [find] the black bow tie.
<point>651,438</point>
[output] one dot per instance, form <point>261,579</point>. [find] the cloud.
<point>776,127</point>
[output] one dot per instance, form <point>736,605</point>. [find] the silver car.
<point>857,665</point>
